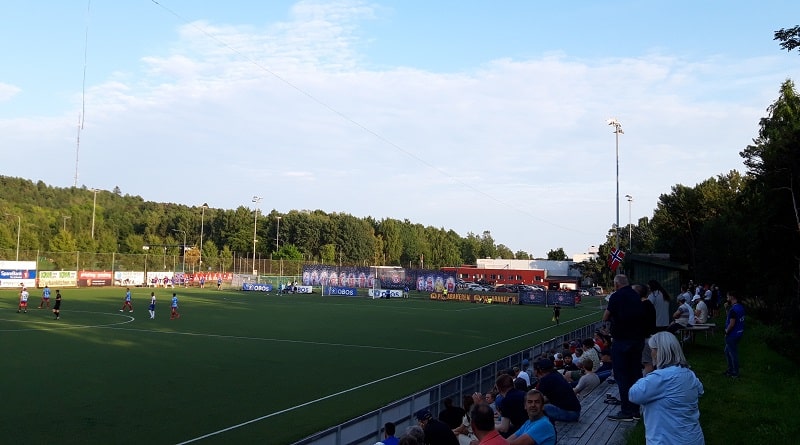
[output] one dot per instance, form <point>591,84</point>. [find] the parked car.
<point>506,288</point>
<point>475,287</point>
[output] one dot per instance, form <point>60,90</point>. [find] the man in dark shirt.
<point>436,431</point>
<point>511,407</point>
<point>452,415</point>
<point>625,312</point>
<point>562,403</point>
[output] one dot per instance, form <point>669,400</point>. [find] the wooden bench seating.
<point>593,428</point>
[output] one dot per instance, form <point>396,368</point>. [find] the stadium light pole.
<point>630,225</point>
<point>256,200</point>
<point>19,228</point>
<point>94,208</point>
<point>617,131</point>
<point>278,235</point>
<point>202,218</point>
<point>184,248</point>
<point>65,218</point>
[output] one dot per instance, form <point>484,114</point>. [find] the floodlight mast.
<point>617,131</point>
<point>202,217</point>
<point>256,200</point>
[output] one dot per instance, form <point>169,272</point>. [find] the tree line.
<point>58,219</point>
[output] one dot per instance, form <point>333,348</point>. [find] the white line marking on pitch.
<point>58,325</point>
<point>279,340</point>
<point>336,394</point>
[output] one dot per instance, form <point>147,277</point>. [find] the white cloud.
<point>517,147</point>
<point>8,91</point>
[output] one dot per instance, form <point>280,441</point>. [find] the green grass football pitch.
<point>239,367</point>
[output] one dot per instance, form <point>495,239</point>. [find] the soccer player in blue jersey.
<point>45,297</point>
<point>174,306</point>
<point>152,307</point>
<point>127,303</point>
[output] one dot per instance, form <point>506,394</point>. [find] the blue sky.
<point>465,115</point>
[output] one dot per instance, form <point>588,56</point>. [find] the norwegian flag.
<point>615,258</point>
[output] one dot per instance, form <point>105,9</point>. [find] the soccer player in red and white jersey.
<point>23,300</point>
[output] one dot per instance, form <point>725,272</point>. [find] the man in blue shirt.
<point>174,306</point>
<point>45,297</point>
<point>537,430</point>
<point>127,303</point>
<point>734,329</point>
<point>388,432</point>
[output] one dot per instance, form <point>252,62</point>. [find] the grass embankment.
<point>758,407</point>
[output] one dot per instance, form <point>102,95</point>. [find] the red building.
<point>475,274</point>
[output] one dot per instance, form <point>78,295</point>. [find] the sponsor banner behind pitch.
<point>341,291</point>
<point>563,298</point>
<point>129,278</point>
<point>14,273</point>
<point>257,287</point>
<point>322,275</point>
<point>483,298</point>
<point>426,280</point>
<point>89,278</point>
<point>385,293</point>
<point>58,278</point>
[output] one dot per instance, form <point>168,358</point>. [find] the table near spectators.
<point>692,330</point>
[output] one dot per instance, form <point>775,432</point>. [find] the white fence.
<point>366,429</point>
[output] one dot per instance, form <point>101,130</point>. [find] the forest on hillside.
<point>78,219</point>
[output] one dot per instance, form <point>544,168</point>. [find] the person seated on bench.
<point>537,430</point>
<point>605,369</point>
<point>684,316</point>
<point>588,381</point>
<point>701,311</point>
<point>562,403</point>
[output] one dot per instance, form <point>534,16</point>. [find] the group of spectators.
<point>637,350</point>
<point>649,365</point>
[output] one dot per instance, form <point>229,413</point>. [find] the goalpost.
<point>392,275</point>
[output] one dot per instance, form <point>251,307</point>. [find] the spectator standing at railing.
<point>661,300</point>
<point>625,312</point>
<point>649,324</point>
